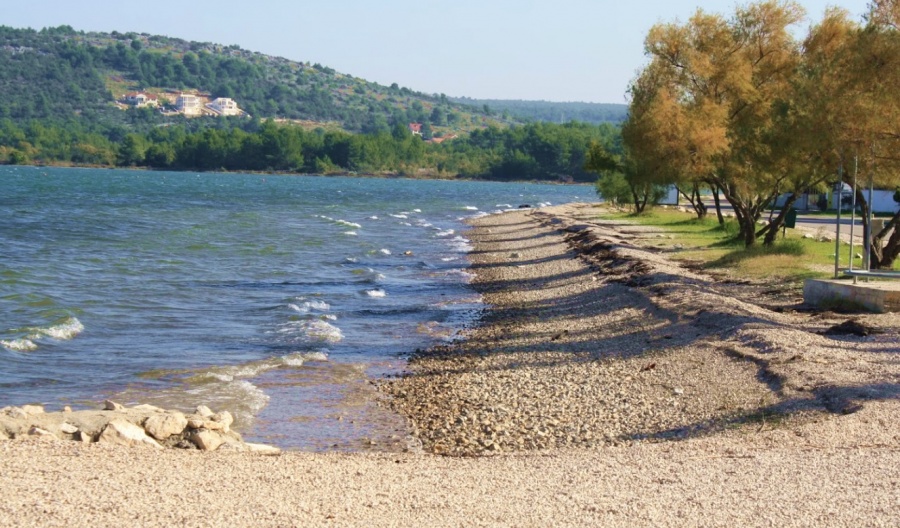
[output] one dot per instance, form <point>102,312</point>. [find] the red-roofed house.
<point>416,128</point>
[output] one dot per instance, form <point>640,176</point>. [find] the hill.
<point>547,111</point>
<point>61,73</point>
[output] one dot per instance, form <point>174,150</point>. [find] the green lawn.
<point>711,246</point>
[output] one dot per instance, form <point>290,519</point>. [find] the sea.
<point>279,298</point>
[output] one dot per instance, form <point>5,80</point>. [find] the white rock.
<point>162,426</point>
<point>223,418</point>
<point>195,422</point>
<point>68,428</point>
<point>678,391</point>
<point>204,411</point>
<point>37,431</point>
<point>110,405</point>
<point>67,409</point>
<point>15,412</point>
<point>207,440</point>
<point>262,449</point>
<point>147,408</point>
<point>123,432</point>
<point>33,409</point>
<point>85,437</point>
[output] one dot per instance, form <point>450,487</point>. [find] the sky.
<point>552,50</point>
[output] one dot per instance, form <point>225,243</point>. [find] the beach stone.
<point>162,426</point>
<point>147,408</point>
<point>262,449</point>
<point>123,432</point>
<point>33,409</point>
<point>37,431</point>
<point>68,428</point>
<point>223,418</point>
<point>206,440</point>
<point>15,412</point>
<point>195,422</point>
<point>85,437</point>
<point>67,409</point>
<point>110,405</point>
<point>204,411</point>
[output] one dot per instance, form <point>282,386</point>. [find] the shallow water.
<point>274,297</point>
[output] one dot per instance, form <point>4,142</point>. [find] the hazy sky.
<point>555,50</point>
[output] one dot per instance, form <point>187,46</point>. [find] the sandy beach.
<point>605,386</point>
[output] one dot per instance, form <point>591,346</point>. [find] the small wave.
<point>322,331</point>
<point>417,210</point>
<point>348,224</point>
<point>504,206</point>
<point>308,306</point>
<point>470,208</point>
<point>350,233</point>
<point>373,217</point>
<point>351,260</point>
<point>376,293</point>
<point>299,358</point>
<point>401,216</point>
<point>19,345</point>
<point>64,331</point>
<point>461,244</point>
<point>384,251</point>
<point>448,232</point>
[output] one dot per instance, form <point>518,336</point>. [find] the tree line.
<point>741,107</point>
<point>538,151</point>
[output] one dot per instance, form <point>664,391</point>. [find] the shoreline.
<point>585,332</point>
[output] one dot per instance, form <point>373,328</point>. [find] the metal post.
<point>853,211</point>
<point>837,225</point>
<point>870,235</point>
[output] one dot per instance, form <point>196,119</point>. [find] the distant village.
<point>186,104</point>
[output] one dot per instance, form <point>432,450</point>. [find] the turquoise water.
<point>274,297</point>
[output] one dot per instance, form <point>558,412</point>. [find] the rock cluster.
<point>141,425</point>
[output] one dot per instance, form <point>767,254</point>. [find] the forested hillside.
<point>550,112</point>
<point>59,73</point>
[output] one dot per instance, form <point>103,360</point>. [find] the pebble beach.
<point>606,385</point>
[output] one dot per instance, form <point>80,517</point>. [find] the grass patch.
<point>713,246</point>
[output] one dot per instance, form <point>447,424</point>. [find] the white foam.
<point>373,217</point>
<point>461,244</point>
<point>348,224</point>
<point>64,331</point>
<point>417,210</point>
<point>322,331</point>
<point>448,232</point>
<point>376,293</point>
<point>504,206</point>
<point>384,251</point>
<point>350,233</point>
<point>470,208</point>
<point>298,359</point>
<point>401,216</point>
<point>308,306</point>
<point>19,345</point>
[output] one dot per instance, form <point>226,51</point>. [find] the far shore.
<point>605,386</point>
<point>424,174</point>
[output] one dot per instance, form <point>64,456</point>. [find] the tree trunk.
<point>771,230</point>
<point>883,256</point>
<point>694,199</point>
<point>715,193</point>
